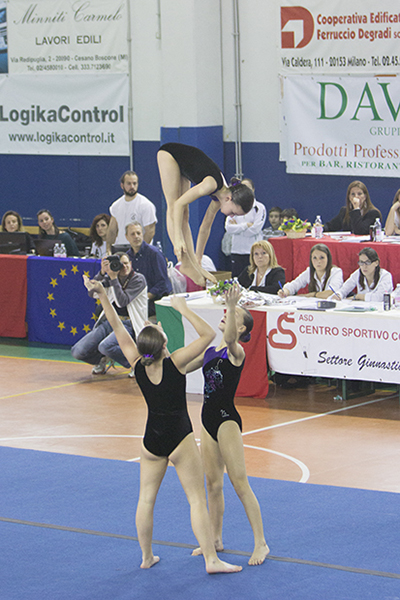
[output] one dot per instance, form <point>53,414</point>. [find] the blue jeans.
<point>100,342</point>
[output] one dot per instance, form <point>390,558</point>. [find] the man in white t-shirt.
<point>130,207</point>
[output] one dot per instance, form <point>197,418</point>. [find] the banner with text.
<point>344,346</point>
<point>55,36</point>
<point>47,114</point>
<point>339,36</point>
<point>341,125</point>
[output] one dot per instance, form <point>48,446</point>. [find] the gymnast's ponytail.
<point>248,322</point>
<point>150,343</point>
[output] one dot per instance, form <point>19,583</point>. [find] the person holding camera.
<point>127,292</point>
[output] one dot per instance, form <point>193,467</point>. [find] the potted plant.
<point>295,228</point>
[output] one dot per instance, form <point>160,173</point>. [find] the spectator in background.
<point>127,292</point>
<point>245,230</point>
<point>275,219</point>
<point>263,274</point>
<point>148,261</point>
<point>98,235</point>
<point>358,214</point>
<point>12,223</point>
<point>392,225</point>
<point>289,213</point>
<point>48,230</point>
<point>130,207</point>
<point>321,275</point>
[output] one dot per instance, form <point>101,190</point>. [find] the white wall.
<point>183,67</point>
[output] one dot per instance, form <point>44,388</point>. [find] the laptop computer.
<point>14,243</point>
<point>45,247</point>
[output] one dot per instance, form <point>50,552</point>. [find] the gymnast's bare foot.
<point>218,548</point>
<point>152,560</point>
<point>215,565</point>
<point>193,272</point>
<point>259,554</point>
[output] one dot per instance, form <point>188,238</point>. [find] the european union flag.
<point>59,309</point>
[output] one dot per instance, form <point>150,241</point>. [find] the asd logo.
<point>297,26</point>
<point>289,318</point>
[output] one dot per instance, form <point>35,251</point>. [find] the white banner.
<point>59,36</point>
<point>341,125</point>
<point>72,115</point>
<point>339,36</point>
<point>339,345</point>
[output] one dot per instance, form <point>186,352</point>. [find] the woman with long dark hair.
<point>370,280</point>
<point>98,235</point>
<point>321,276</point>
<point>358,214</point>
<point>48,230</point>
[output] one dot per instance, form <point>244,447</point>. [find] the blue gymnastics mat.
<point>67,532</point>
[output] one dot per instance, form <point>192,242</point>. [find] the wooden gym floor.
<point>51,402</point>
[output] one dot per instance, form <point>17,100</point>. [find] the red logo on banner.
<point>302,26</point>
<point>289,318</point>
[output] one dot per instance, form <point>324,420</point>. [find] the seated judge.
<point>263,274</point>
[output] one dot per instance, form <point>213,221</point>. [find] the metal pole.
<point>238,101</point>
<point>130,98</point>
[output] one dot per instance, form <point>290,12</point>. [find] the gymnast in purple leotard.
<point>221,438</point>
<point>180,166</point>
<point>169,435</point>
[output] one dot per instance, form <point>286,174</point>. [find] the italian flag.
<point>254,379</point>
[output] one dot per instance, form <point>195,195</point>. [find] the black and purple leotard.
<point>221,379</point>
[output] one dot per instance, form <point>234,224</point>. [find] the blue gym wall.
<point>183,88</point>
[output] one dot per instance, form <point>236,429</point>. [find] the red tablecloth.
<point>294,255</point>
<point>12,296</point>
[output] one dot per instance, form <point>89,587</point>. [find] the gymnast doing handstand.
<point>179,166</point>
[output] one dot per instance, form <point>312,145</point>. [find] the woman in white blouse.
<point>98,234</point>
<point>321,276</point>
<point>370,279</point>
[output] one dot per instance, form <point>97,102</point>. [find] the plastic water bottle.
<point>56,250</point>
<point>396,297</point>
<point>318,228</point>
<point>378,230</point>
<point>63,251</point>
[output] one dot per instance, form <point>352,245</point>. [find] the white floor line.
<point>319,416</point>
<point>304,469</point>
<point>61,437</point>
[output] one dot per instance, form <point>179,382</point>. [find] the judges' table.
<point>294,254</point>
<point>254,379</point>
<point>335,343</point>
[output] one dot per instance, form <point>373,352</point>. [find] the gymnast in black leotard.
<point>221,438</point>
<point>179,166</point>
<point>168,421</point>
<point>169,435</point>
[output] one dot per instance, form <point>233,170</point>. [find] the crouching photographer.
<point>127,291</point>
